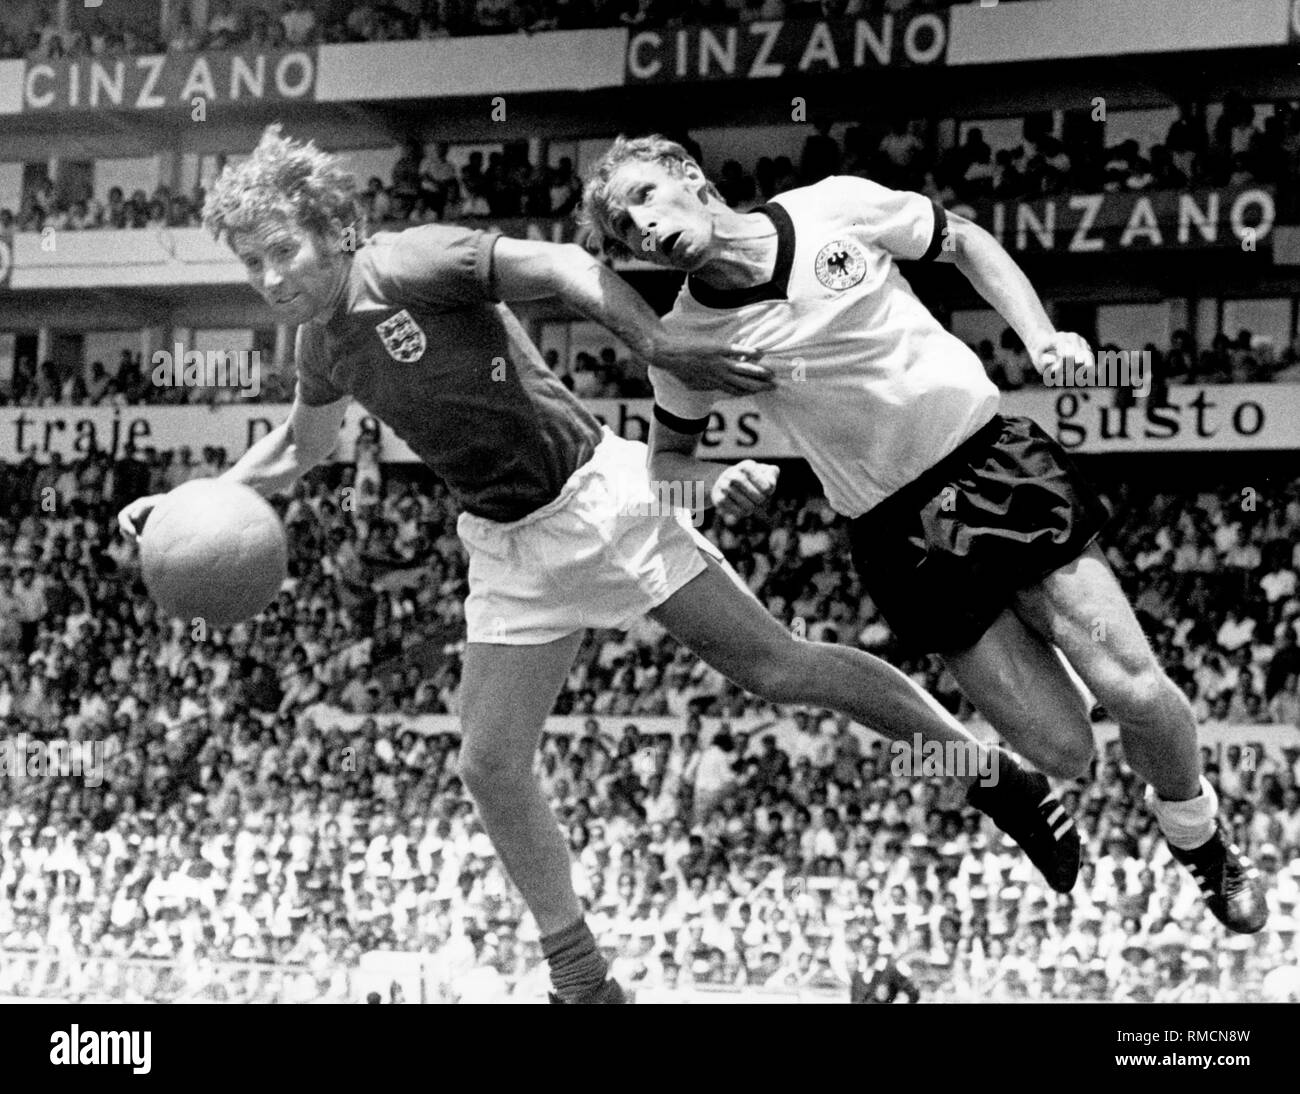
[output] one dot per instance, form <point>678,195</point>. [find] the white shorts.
<point>599,555</point>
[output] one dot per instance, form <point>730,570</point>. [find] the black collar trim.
<point>776,289</point>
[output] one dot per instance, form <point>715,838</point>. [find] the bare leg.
<point>733,632</point>
<point>728,627</point>
<point>507,694</point>
<point>1082,609</point>
<point>1016,680</point>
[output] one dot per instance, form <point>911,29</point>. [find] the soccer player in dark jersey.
<point>558,517</point>
<point>972,531</point>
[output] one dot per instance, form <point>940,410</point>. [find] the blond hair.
<point>596,214</point>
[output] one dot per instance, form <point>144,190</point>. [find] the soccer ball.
<point>215,551</point>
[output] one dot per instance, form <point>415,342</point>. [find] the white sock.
<point>1186,825</point>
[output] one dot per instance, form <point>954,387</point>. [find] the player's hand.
<point>1062,346</point>
<point>743,487</point>
<point>708,364</point>
<point>132,519</point>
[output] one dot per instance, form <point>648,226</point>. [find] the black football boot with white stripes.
<point>1231,883</point>
<point>1023,804</point>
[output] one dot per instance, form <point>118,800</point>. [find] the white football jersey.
<point>871,389</point>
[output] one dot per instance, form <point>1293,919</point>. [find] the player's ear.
<point>336,236</point>
<point>696,178</point>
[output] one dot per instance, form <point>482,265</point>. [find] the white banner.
<point>1209,418</point>
<point>989,33</point>
<point>487,65</point>
<point>1220,417</point>
<point>1212,418</point>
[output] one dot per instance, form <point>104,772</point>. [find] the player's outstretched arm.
<point>997,278</point>
<point>291,449</point>
<point>530,269</point>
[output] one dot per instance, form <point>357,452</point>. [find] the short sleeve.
<point>442,266</point>
<point>315,388</point>
<point>906,224</point>
<point>679,401</point>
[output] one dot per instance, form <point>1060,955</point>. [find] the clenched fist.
<point>743,487</point>
<point>1062,346</point>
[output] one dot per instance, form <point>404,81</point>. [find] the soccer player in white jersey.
<point>972,531</point>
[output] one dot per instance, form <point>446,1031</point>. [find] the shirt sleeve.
<point>677,406</point>
<point>906,224</point>
<point>443,266</point>
<point>315,388</point>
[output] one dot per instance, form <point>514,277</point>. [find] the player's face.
<point>292,268</point>
<point>661,217</point>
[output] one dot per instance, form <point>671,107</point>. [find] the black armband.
<point>940,234</point>
<point>681,425</point>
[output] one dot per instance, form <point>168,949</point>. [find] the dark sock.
<point>577,969</point>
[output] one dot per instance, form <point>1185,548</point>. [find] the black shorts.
<point>942,557</point>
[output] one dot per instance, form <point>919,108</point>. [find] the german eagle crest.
<point>840,265</point>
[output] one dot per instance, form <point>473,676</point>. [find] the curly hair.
<point>596,214</point>
<point>285,179</point>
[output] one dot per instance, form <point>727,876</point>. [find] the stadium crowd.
<point>427,187</point>
<point>1235,149</point>
<point>268,808</point>
<point>282,24</point>
<point>607,375</point>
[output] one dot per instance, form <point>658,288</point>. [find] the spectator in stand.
<point>565,188</point>
<point>1166,170</point>
<point>406,179</point>
<point>736,187</point>
<point>1181,361</point>
<point>899,154</point>
<point>496,16</point>
<point>375,200</point>
<point>299,24</point>
<point>474,201</point>
<point>638,13</point>
<point>431,23</point>
<point>1008,182</point>
<point>783,175</point>
<point>1013,362</point>
<point>587,383</point>
<point>716,778</point>
<point>438,184</point>
<point>184,37</point>
<point>821,154</point>
<point>226,26</point>
<point>1235,133</point>
<point>976,159</point>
